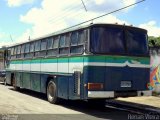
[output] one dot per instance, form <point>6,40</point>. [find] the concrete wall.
<point>155,69</point>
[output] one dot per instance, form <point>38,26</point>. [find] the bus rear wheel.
<point>52,93</point>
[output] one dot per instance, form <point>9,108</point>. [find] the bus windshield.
<point>118,40</point>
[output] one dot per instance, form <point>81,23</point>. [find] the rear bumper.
<point>113,94</point>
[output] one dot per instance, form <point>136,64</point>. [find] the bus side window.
<point>9,54</point>
<point>53,46</point>
<point>27,50</point>
<point>77,42</point>
<point>13,52</point>
<point>64,44</point>
<point>18,52</point>
<point>22,51</point>
<point>49,43</point>
<point>37,48</point>
<point>32,49</point>
<point>43,48</point>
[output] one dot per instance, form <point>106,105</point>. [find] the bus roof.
<point>70,29</point>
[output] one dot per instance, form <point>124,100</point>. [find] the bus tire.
<point>52,92</point>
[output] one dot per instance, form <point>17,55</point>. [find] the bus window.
<point>9,54</point>
<point>74,38</point>
<point>32,47</point>
<point>107,40</point>
<point>12,51</point>
<point>77,41</point>
<point>67,39</point>
<point>77,49</point>
<point>27,50</point>
<point>81,37</point>
<point>64,51</point>
<point>136,42</point>
<point>62,41</point>
<point>43,44</point>
<point>53,51</point>
<point>22,51</point>
<point>27,46</point>
<point>19,51</point>
<point>55,42</point>
<point>43,48</point>
<point>49,43</point>
<point>37,45</point>
<point>64,44</point>
<point>15,50</point>
<point>37,48</point>
<point>22,48</point>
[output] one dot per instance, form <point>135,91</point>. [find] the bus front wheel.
<point>52,93</point>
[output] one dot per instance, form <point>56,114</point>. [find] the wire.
<point>105,14</point>
<point>69,10</point>
<point>84,5</point>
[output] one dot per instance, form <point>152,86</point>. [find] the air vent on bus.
<point>77,76</point>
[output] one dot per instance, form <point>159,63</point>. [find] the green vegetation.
<point>155,93</point>
<point>154,41</point>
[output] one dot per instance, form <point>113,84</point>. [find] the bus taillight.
<point>95,86</point>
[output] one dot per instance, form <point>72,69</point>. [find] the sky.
<point>24,19</point>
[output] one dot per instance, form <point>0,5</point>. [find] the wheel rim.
<point>51,91</point>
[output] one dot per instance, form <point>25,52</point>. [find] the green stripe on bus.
<point>39,72</point>
<point>108,59</point>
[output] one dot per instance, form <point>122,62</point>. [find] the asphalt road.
<point>32,105</point>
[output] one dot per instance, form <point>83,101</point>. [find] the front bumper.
<point>113,94</point>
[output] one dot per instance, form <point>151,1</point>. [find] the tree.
<point>154,41</point>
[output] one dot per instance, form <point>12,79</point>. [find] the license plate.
<point>126,84</point>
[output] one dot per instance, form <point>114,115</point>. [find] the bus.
<point>92,62</point>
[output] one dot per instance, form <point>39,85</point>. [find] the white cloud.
<point>4,44</point>
<point>54,15</point>
<point>4,39</point>
<point>17,3</point>
<point>108,5</point>
<point>153,29</point>
<point>24,37</point>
